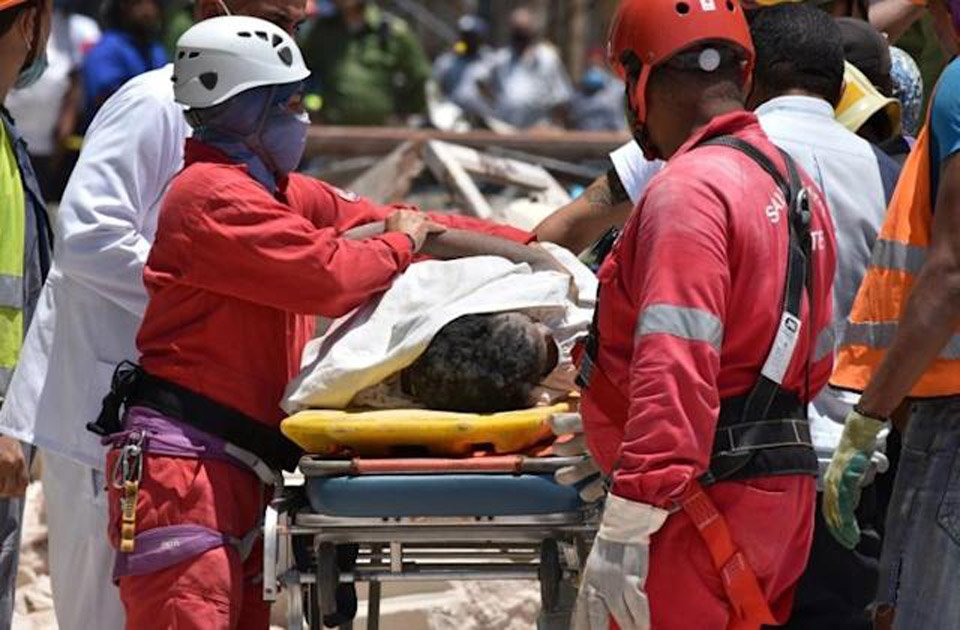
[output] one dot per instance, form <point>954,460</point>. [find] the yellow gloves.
<point>848,468</point>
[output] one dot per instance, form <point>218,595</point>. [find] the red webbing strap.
<point>739,581</point>
<point>499,464</point>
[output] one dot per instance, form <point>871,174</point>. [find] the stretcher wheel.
<point>550,574</point>
<point>328,578</point>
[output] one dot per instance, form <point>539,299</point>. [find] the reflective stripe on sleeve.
<point>687,323</point>
<point>880,335</point>
<point>898,256</point>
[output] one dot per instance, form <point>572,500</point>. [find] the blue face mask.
<point>32,73</point>
<point>283,140</point>
<point>257,129</point>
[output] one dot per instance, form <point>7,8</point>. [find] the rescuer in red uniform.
<point>704,349</point>
<point>247,254</point>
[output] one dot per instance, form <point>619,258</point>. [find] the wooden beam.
<point>563,145</point>
<point>389,180</point>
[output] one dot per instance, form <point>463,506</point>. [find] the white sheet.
<point>376,341</point>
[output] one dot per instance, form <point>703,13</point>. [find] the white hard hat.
<point>223,56</point>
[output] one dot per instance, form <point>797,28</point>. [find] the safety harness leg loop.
<point>739,581</point>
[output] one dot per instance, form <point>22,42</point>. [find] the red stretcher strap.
<point>498,464</point>
<point>739,581</point>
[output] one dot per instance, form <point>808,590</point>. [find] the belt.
<point>133,387</point>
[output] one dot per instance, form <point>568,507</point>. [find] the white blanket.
<point>382,337</point>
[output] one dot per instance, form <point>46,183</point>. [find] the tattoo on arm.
<point>598,195</point>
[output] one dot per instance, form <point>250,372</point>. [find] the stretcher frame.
<point>549,548</point>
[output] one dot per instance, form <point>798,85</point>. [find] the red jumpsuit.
<point>690,300</point>
<point>235,278</point>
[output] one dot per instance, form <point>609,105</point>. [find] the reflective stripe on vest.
<point>13,211</point>
<point>898,258</point>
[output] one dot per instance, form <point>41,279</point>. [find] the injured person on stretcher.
<point>474,335</point>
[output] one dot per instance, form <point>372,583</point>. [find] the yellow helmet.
<point>861,101</point>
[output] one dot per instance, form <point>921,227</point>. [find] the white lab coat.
<point>85,323</point>
<point>94,299</point>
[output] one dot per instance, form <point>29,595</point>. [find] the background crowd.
<point>494,66</point>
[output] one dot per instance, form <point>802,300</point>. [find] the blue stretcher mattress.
<point>376,496</point>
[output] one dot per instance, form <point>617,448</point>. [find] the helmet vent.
<point>683,8</point>
<point>286,56</point>
<point>193,55</point>
<point>262,35</point>
<point>730,7</point>
<point>209,80</point>
<point>277,40</point>
<point>181,55</point>
<point>245,34</point>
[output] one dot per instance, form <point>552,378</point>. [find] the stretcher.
<point>377,519</point>
<point>404,432</point>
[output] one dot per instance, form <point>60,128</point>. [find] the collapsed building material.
<point>563,145</point>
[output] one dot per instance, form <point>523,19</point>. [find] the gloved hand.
<point>849,467</point>
<point>568,427</point>
<point>616,570</point>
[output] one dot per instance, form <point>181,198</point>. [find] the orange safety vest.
<point>898,257</point>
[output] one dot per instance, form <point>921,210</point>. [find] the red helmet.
<point>646,33</point>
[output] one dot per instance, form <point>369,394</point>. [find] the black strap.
<point>798,277</point>
<point>132,387</point>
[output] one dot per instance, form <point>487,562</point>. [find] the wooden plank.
<point>562,145</point>
<point>389,180</point>
<point>507,171</point>
<point>448,170</point>
<point>458,166</point>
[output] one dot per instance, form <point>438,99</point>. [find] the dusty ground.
<point>440,606</point>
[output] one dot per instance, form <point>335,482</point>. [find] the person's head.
<point>866,48</point>
<point>24,29</point>
<point>907,88</point>
<point>140,18</point>
<point>242,80</point>
<point>525,28</point>
<point>865,111</point>
<point>482,364</point>
<point>286,14</point>
<point>683,63</point>
<point>473,34</point>
<point>798,52</point>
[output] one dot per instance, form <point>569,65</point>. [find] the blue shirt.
<point>116,59</point>
<point>944,124</point>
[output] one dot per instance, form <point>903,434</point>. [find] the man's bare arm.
<point>894,17</point>
<point>584,220</point>
<point>453,243</point>
<point>932,313</point>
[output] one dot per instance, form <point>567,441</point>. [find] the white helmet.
<point>223,56</point>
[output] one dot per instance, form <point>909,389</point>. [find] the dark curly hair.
<point>798,48</point>
<point>480,364</point>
